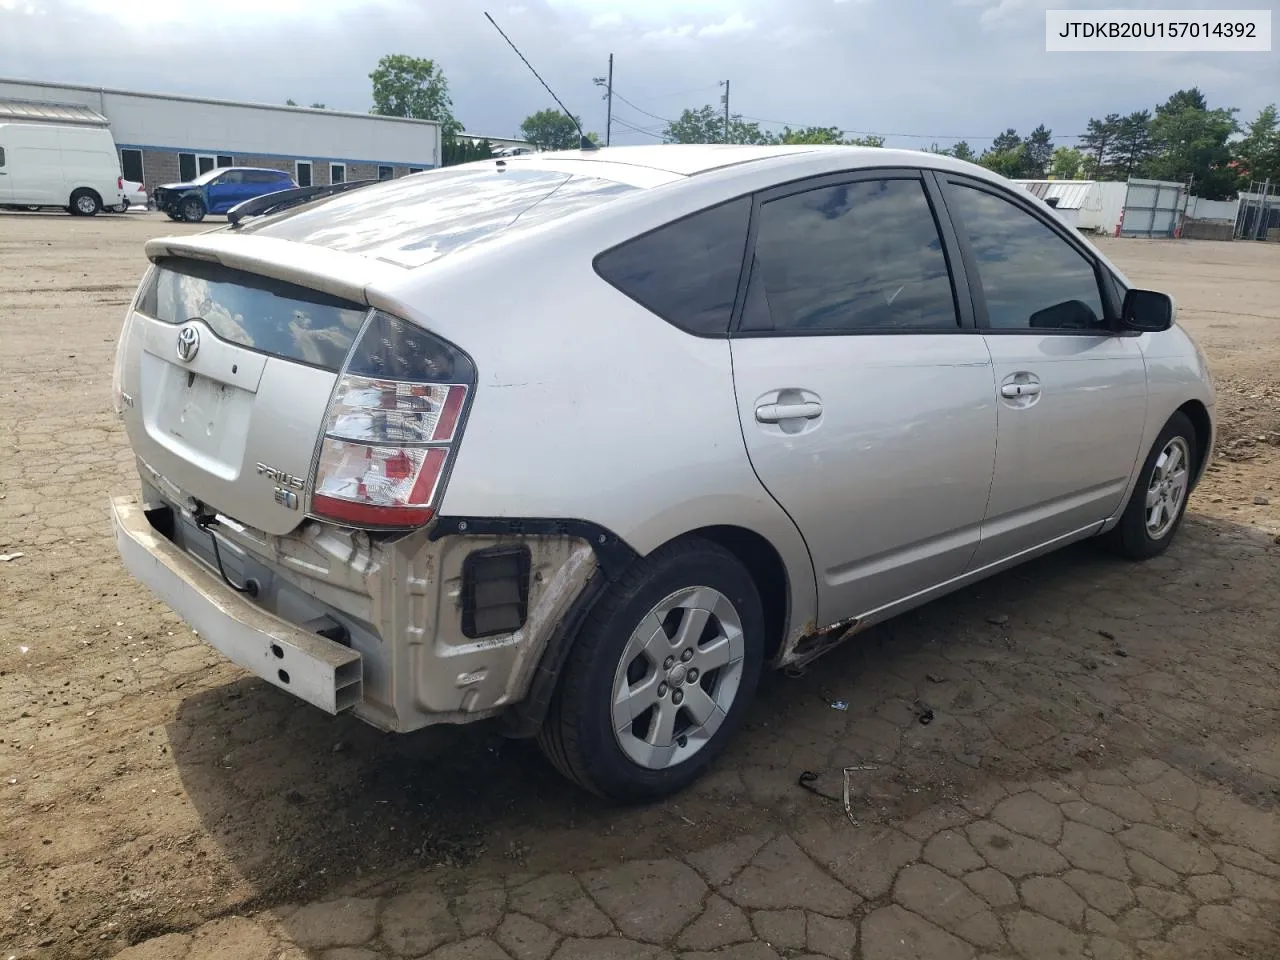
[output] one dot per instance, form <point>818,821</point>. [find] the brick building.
<point>164,138</point>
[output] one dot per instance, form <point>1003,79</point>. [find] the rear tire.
<point>1159,500</point>
<point>85,203</point>
<point>660,675</point>
<point>192,209</point>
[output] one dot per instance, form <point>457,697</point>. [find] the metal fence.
<point>1152,208</point>
<point>1259,215</point>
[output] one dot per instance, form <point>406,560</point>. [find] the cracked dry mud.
<point>1100,778</point>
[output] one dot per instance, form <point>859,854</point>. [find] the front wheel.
<point>659,676</point>
<point>192,210</point>
<point>1159,499</point>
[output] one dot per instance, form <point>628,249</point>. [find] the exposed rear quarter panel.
<point>589,407</point>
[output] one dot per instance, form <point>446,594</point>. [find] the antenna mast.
<point>584,143</point>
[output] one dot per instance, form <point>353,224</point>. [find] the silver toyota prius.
<point>585,440</point>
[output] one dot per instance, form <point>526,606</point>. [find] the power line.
<point>640,109</point>
<point>632,127</point>
<point>913,136</point>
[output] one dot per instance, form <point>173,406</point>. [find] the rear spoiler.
<point>283,199</point>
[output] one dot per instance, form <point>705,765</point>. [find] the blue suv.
<point>218,190</point>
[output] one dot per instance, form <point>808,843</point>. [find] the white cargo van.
<point>59,165</point>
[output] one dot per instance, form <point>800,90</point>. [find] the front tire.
<point>1159,499</point>
<point>192,209</point>
<point>660,675</point>
<point>85,203</point>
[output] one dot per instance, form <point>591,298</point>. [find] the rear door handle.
<point>1012,390</point>
<point>777,412</point>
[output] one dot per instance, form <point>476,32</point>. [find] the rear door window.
<point>266,315</point>
<point>859,257</point>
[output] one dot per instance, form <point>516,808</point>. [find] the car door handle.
<point>777,412</point>
<point>1012,390</point>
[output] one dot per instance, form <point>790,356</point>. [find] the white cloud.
<point>734,23</point>
<point>820,62</point>
<point>603,21</point>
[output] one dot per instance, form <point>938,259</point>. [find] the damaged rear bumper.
<point>313,668</point>
<point>404,610</point>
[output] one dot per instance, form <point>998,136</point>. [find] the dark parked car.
<point>218,190</point>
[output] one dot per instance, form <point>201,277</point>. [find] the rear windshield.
<point>270,316</point>
<point>420,218</point>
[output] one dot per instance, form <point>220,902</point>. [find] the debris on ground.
<point>935,678</point>
<point>924,712</point>
<point>840,705</point>
<point>6,557</point>
<point>1000,619</point>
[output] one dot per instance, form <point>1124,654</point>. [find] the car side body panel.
<point>626,426</point>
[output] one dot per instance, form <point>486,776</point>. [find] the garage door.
<point>1152,208</point>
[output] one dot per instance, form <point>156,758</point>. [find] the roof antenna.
<point>584,142</point>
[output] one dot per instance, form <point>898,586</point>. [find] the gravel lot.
<point>1101,777</point>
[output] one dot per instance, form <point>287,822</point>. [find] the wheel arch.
<point>1198,414</point>
<point>764,564</point>
<point>761,559</point>
<point>85,188</point>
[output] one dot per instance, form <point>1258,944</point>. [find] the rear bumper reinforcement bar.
<point>313,668</point>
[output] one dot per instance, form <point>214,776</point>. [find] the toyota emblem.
<point>188,343</point>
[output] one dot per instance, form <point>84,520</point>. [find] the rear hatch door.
<point>228,375</point>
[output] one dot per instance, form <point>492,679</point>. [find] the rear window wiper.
<point>283,199</point>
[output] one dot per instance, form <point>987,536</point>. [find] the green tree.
<point>1067,163</point>
<point>550,130</point>
<point>1191,143</point>
<point>1009,140</point>
<point>405,86</point>
<point>457,149</point>
<point>870,140</point>
<point>962,151</point>
<point>706,125</point>
<point>1258,153</point>
<point>1039,151</point>
<point>1098,142</point>
<point>811,135</point>
<point>1011,163</point>
<point>1007,156</point>
<point>1132,147</point>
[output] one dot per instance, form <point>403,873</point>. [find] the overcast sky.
<point>931,69</point>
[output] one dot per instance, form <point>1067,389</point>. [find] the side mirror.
<point>1147,311</point>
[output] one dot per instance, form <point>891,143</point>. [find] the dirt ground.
<point>149,788</point>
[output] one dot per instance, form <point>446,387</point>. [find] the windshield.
<point>415,220</point>
<point>208,175</point>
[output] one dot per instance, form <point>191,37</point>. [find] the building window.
<point>303,173</point>
<point>337,173</point>
<point>186,166</point>
<point>386,173</point>
<point>131,165</point>
<point>415,169</point>
<point>226,161</point>
<point>205,163</point>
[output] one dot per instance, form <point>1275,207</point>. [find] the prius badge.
<point>286,484</point>
<point>188,343</point>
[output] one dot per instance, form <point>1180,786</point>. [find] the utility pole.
<point>608,96</point>
<point>725,100</point>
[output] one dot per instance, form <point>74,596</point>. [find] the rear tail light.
<point>120,183</point>
<point>391,428</point>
